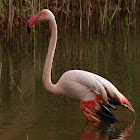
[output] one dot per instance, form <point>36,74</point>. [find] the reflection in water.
<point>105,131</point>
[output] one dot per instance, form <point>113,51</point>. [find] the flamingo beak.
<point>32,21</point>
<point>127,104</point>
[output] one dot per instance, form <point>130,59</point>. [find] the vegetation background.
<point>13,13</point>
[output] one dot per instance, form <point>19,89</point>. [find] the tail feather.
<point>115,97</point>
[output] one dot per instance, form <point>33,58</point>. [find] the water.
<point>28,112</point>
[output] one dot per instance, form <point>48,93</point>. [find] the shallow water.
<point>29,112</point>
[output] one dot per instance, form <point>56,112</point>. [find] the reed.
<point>68,9</point>
<point>10,20</point>
<point>110,20</point>
<point>127,24</point>
<point>1,4</point>
<point>129,17</point>
<point>129,21</point>
<point>80,16</point>
<point>104,10</point>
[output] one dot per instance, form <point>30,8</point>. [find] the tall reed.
<point>13,10</point>
<point>110,20</point>
<point>1,4</point>
<point>68,9</point>
<point>80,16</point>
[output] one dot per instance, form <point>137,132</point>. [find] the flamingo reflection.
<point>105,131</point>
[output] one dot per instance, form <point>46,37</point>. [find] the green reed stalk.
<point>21,10</point>
<point>68,7</point>
<point>112,17</point>
<point>128,19</point>
<point>102,15</point>
<point>127,24</point>
<point>1,4</point>
<point>101,18</point>
<point>110,20</point>
<point>134,5</point>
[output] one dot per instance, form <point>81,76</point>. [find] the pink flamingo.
<point>95,93</point>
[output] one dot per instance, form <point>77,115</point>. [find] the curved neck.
<point>49,60</point>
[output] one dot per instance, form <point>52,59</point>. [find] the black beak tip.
<point>28,29</point>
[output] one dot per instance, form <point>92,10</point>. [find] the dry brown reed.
<point>12,12</point>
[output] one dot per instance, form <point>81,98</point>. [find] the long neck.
<point>49,60</point>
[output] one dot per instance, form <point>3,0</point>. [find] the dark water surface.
<point>28,112</point>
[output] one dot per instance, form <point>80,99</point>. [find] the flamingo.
<point>96,94</point>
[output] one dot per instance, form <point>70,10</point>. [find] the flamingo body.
<point>94,92</point>
<point>83,85</point>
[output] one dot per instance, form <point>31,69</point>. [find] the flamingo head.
<point>123,101</point>
<point>98,110</point>
<point>127,104</point>
<point>43,15</point>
